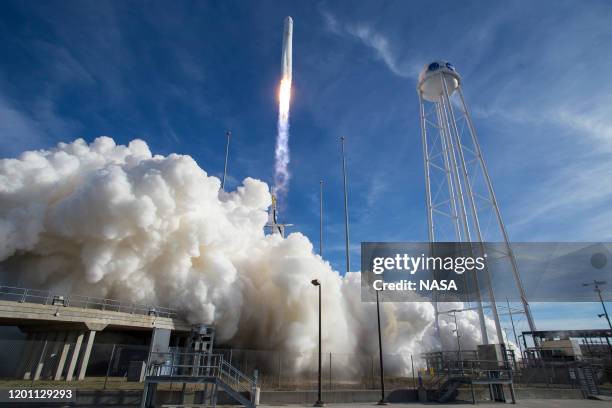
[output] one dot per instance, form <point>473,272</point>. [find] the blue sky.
<point>180,74</point>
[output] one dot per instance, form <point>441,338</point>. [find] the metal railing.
<point>199,364</point>
<point>43,297</point>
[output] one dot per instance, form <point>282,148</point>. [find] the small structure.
<point>491,365</point>
<point>580,357</point>
<point>197,364</point>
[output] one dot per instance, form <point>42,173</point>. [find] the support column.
<point>64,355</point>
<point>54,354</point>
<point>26,356</point>
<point>85,361</point>
<point>75,356</point>
<point>40,363</point>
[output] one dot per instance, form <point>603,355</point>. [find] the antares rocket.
<point>282,153</point>
<point>286,61</point>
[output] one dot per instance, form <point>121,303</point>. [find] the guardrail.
<point>199,364</point>
<point>42,297</point>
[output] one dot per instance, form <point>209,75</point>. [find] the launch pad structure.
<point>197,364</point>
<point>273,225</point>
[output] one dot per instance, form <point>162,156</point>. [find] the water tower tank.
<point>430,80</point>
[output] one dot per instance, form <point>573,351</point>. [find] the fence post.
<point>330,371</point>
<point>413,377</point>
<point>110,362</point>
<point>254,388</point>
<point>372,374</point>
<point>279,369</point>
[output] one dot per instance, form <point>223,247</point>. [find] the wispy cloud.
<point>19,132</point>
<point>26,129</point>
<point>376,41</point>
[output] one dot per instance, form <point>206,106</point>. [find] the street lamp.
<point>319,402</point>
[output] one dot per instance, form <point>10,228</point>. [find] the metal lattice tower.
<point>461,203</point>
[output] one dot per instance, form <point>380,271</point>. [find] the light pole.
<point>319,402</point>
<point>229,135</point>
<point>513,327</point>
<point>459,360</point>
<point>597,283</point>
<point>454,312</point>
<point>321,218</point>
<point>457,331</point>
<point>524,342</point>
<point>346,217</point>
<point>382,401</point>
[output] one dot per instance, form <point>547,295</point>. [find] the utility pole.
<point>597,285</point>
<point>382,401</point>
<point>228,134</point>
<point>513,328</point>
<point>458,335</point>
<point>321,218</point>
<point>346,218</point>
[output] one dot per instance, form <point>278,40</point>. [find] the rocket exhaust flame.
<point>284,99</point>
<point>281,154</point>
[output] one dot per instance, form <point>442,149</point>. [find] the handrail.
<point>198,364</point>
<point>25,295</point>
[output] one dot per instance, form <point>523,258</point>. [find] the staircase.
<point>199,368</point>
<point>448,391</point>
<point>586,378</point>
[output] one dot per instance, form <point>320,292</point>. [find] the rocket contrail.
<point>281,154</point>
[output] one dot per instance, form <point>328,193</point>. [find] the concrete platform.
<point>23,314</point>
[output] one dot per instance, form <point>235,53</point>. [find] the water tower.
<point>461,203</point>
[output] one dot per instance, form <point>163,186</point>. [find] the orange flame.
<point>284,98</point>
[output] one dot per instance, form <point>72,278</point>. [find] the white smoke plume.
<point>116,221</point>
<point>281,153</point>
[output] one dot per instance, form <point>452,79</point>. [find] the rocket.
<point>282,148</point>
<point>286,61</point>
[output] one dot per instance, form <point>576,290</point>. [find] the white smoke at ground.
<point>116,221</point>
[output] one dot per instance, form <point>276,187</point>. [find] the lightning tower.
<point>461,203</point>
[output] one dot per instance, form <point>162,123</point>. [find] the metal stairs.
<point>448,391</point>
<point>586,378</point>
<point>199,368</point>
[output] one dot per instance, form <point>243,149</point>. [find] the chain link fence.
<point>38,361</point>
<point>282,370</point>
